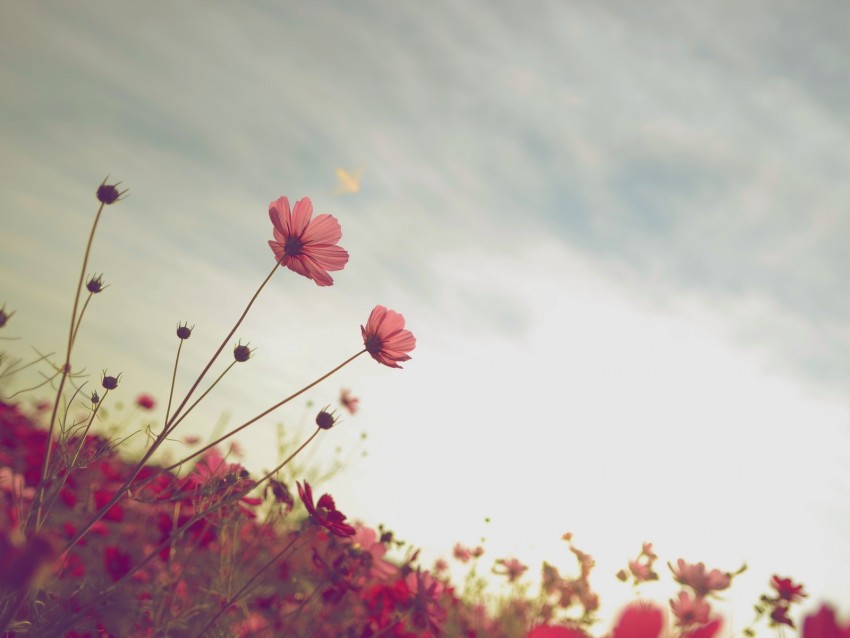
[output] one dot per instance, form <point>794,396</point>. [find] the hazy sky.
<point>618,232</point>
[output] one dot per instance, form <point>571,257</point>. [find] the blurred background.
<point>618,233</point>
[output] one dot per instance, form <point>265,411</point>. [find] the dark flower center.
<point>293,246</point>
<point>373,344</point>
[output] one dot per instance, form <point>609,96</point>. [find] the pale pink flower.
<point>385,338</point>
<point>513,569</point>
<point>690,610</point>
<point>348,401</point>
<point>304,246</point>
<point>366,541</point>
<point>696,577</point>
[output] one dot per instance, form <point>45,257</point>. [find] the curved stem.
<point>80,318</point>
<point>66,368</point>
<point>221,347</point>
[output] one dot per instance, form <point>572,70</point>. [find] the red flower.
<point>304,246</point>
<point>787,590</point>
<point>117,563</point>
<point>348,401</point>
<point>145,401</point>
<point>325,512</point>
<point>779,615</point>
<point>385,337</point>
<point>824,625</point>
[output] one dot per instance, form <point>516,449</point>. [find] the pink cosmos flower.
<point>385,337</point>
<point>787,590</point>
<point>690,611</point>
<point>304,246</point>
<point>145,401</point>
<point>513,569</point>
<point>348,401</point>
<point>696,577</point>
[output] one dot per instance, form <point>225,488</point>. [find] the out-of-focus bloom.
<point>513,569</point>
<point>779,616</point>
<point>639,620</point>
<point>787,590</point>
<point>22,567</point>
<point>465,554</point>
<point>348,401</point>
<point>642,572</point>
<point>370,550</point>
<point>324,512</point>
<point>304,246</point>
<point>690,610</point>
<point>385,338</point>
<point>109,193</point>
<point>696,577</point>
<point>117,562</point>
<point>823,624</point>
<point>145,401</point>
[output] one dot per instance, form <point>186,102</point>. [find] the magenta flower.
<point>306,246</point>
<point>146,402</point>
<point>385,337</point>
<point>324,512</point>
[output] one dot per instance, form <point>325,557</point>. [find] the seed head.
<point>109,193</point>
<point>242,353</point>
<point>326,420</point>
<point>95,284</point>
<point>184,331</point>
<point>109,382</point>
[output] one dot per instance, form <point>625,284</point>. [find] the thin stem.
<point>80,318</point>
<point>244,587</point>
<point>262,414</point>
<point>228,500</point>
<point>199,399</point>
<point>73,462</point>
<point>173,381</point>
<point>66,368</point>
<point>221,347</point>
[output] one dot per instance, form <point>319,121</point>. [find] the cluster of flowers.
<point>94,545</point>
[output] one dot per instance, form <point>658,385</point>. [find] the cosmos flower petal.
<point>301,217</point>
<point>279,214</point>
<point>324,229</point>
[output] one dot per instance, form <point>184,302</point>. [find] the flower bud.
<point>326,420</point>
<point>242,353</point>
<point>95,399</point>
<point>109,193</point>
<point>184,331</point>
<point>95,284</point>
<point>109,382</point>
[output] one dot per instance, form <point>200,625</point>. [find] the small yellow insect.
<point>347,182</point>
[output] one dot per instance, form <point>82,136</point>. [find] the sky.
<point>618,234</point>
